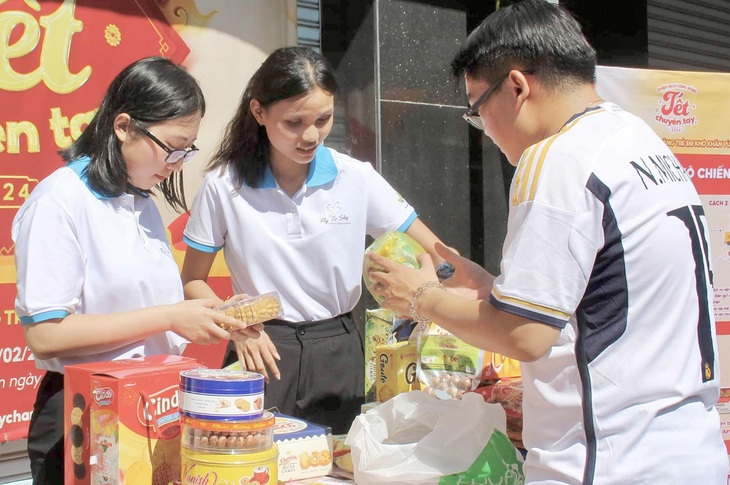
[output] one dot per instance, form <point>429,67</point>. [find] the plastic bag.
<point>416,438</point>
<point>496,464</point>
<point>396,246</point>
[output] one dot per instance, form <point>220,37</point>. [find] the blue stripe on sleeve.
<point>42,317</point>
<point>201,247</point>
<point>404,227</point>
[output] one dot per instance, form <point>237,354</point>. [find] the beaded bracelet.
<point>414,300</point>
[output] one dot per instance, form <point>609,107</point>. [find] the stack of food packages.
<point>401,356</point>
<point>225,430</point>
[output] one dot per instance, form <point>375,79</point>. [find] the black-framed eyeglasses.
<point>472,112</point>
<point>173,155</point>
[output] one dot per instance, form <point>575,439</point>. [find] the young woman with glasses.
<point>292,216</point>
<point>96,279</point>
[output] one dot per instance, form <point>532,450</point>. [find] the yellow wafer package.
<point>396,246</point>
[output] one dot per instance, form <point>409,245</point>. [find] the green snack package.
<point>396,246</point>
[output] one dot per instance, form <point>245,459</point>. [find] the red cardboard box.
<point>122,420</point>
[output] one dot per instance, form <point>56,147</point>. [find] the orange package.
<point>497,366</point>
<point>122,421</point>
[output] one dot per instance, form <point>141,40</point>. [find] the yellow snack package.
<point>378,331</point>
<point>396,246</point>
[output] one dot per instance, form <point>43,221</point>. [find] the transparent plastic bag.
<point>396,246</point>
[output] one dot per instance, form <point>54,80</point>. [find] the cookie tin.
<point>228,436</point>
<point>258,468</point>
<point>218,394</point>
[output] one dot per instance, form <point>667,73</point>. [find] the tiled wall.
<point>401,110</point>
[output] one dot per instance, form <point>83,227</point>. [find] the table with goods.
<point>437,411</point>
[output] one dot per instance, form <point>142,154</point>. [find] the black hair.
<point>150,90</point>
<point>531,35</point>
<point>286,73</point>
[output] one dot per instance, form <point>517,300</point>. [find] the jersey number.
<point>692,218</point>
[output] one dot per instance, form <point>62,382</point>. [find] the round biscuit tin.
<point>228,436</point>
<point>259,468</point>
<point>218,394</point>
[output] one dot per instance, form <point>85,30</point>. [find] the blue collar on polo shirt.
<point>80,167</point>
<point>322,170</point>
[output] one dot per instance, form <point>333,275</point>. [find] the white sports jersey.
<point>607,240</point>
<point>309,247</point>
<point>77,251</point>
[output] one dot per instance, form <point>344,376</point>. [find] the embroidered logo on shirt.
<point>333,215</point>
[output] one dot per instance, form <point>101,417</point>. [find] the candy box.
<point>305,449</point>
<point>122,421</point>
<point>396,369</point>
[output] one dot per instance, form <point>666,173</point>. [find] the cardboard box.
<point>305,449</point>
<point>122,421</point>
<point>396,369</point>
<point>378,331</point>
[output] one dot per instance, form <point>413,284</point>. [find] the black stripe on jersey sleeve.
<point>525,313</point>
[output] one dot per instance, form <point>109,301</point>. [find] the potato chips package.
<point>396,246</point>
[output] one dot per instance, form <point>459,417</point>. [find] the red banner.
<point>57,59</point>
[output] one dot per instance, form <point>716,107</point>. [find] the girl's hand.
<point>259,354</point>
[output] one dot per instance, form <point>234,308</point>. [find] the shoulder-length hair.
<point>286,73</point>
<point>150,90</point>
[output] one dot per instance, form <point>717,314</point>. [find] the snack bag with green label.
<point>396,246</point>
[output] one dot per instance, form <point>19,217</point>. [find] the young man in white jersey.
<point>605,288</point>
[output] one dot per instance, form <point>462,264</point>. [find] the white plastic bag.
<point>415,438</point>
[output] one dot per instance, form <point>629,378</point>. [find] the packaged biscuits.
<point>256,309</point>
<point>228,436</point>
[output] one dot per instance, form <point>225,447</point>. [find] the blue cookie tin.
<point>219,394</point>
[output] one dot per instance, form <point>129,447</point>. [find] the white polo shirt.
<point>79,252</point>
<point>309,247</point>
<point>607,241</point>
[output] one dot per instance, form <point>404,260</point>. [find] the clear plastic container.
<point>228,436</point>
<point>256,309</point>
